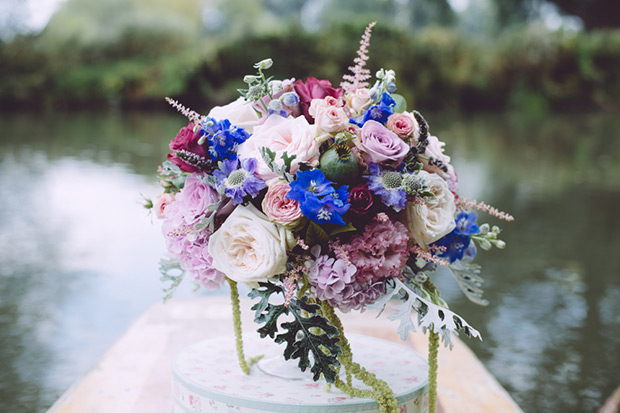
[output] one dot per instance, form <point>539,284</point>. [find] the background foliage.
<point>491,55</point>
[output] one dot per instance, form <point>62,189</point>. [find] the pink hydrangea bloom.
<point>188,247</point>
<point>380,252</point>
<point>334,281</point>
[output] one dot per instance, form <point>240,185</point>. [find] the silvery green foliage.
<point>172,272</point>
<point>430,315</point>
<point>269,157</point>
<point>467,275</point>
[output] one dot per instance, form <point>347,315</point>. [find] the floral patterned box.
<point>207,378</point>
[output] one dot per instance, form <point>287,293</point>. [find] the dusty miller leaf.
<point>306,333</point>
<point>172,272</point>
<point>467,275</point>
<point>430,315</point>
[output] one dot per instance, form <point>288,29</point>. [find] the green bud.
<point>484,228</point>
<point>500,244</point>
<point>249,79</point>
<point>496,230</point>
<point>264,64</point>
<point>485,244</point>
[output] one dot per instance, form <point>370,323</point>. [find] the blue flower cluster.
<point>318,199</point>
<point>379,112</point>
<point>458,243</point>
<point>223,138</point>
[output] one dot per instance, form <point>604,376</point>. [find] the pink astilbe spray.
<point>429,256</point>
<point>465,204</point>
<point>357,80</point>
<point>188,113</point>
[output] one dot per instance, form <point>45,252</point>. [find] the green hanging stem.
<point>236,310</point>
<point>433,349</point>
<point>381,391</point>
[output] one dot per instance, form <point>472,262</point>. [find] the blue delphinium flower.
<point>223,138</point>
<point>458,243</point>
<point>379,112</point>
<point>313,182</point>
<point>325,209</point>
<point>318,199</point>
<point>239,182</point>
<point>387,183</point>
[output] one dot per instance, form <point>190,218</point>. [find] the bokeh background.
<point>526,94</point>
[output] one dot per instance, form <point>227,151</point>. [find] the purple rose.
<point>380,145</point>
<point>361,200</point>
<point>186,140</point>
<point>314,89</point>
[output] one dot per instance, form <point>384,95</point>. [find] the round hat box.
<point>207,378</point>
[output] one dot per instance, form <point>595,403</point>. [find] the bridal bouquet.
<point>321,198</point>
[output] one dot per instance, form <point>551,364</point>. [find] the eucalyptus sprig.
<point>258,85</point>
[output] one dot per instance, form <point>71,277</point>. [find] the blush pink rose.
<point>328,115</point>
<point>434,149</point>
<point>239,112</point>
<point>163,200</point>
<point>278,207</point>
<point>380,145</point>
<point>358,102</point>
<point>403,124</point>
<point>295,136</point>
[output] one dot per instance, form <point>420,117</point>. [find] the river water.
<point>78,254</point>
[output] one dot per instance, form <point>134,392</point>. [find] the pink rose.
<point>163,200</point>
<point>314,89</point>
<point>403,124</point>
<point>380,145</point>
<point>278,207</point>
<point>295,136</point>
<point>186,140</point>
<point>328,115</point>
<point>434,150</point>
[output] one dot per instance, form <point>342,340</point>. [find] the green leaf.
<point>287,161</point>
<point>340,229</point>
<point>315,234</point>
<point>307,333</point>
<point>401,103</point>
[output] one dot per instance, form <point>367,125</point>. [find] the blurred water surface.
<point>78,254</point>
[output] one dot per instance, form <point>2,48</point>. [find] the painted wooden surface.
<point>135,374</point>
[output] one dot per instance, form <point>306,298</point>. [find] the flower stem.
<point>236,310</point>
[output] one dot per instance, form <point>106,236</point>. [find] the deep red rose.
<point>362,200</point>
<point>186,140</point>
<point>314,89</point>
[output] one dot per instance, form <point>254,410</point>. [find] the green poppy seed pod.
<point>339,165</point>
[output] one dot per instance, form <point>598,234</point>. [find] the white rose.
<point>433,218</point>
<point>248,247</point>
<point>295,136</point>
<point>239,112</point>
